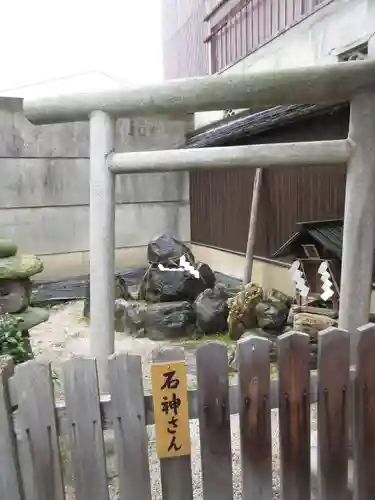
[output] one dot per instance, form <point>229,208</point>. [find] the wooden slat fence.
<point>35,433</point>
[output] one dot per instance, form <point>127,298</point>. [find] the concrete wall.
<point>44,191</point>
<point>319,39</point>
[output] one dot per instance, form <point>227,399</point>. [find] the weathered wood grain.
<point>294,415</point>
<point>86,433</point>
<point>126,387</point>
<point>364,415</point>
<point>38,443</point>
<point>176,480</point>
<point>214,421</point>
<point>255,417</point>
<point>106,404</point>
<point>333,384</point>
<point>10,478</point>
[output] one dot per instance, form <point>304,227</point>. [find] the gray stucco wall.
<point>44,190</point>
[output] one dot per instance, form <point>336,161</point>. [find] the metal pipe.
<point>314,84</point>
<point>102,243</point>
<point>325,153</point>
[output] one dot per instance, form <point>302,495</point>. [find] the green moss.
<point>13,342</point>
<point>218,337</point>
<point>23,266</point>
<point>273,370</point>
<point>222,337</point>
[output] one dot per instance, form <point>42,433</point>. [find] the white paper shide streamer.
<point>326,281</point>
<point>184,266</point>
<point>299,279</point>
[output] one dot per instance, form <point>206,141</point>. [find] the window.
<point>250,24</point>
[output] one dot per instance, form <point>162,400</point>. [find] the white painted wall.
<point>333,29</point>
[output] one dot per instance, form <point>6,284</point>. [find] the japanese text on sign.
<point>169,393</point>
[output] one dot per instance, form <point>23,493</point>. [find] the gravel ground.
<point>66,335</point>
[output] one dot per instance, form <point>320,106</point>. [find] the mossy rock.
<point>7,248</point>
<point>31,317</point>
<point>312,324</point>
<point>22,266</point>
<point>242,314</point>
<point>277,296</point>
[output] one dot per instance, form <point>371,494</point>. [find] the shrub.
<point>12,342</point>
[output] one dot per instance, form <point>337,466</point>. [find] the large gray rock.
<point>211,308</point>
<point>165,249</point>
<point>175,285</point>
<point>157,321</point>
<point>242,314</point>
<point>17,267</point>
<point>271,315</point>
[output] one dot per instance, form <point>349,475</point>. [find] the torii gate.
<point>351,81</point>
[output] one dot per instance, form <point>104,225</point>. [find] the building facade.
<point>248,36</point>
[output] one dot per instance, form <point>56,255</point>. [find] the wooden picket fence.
<point>31,423</point>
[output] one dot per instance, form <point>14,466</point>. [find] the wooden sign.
<point>171,412</point>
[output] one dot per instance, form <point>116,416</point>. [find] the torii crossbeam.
<point>352,81</point>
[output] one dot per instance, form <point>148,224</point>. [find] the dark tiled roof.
<point>328,233</point>
<point>249,123</point>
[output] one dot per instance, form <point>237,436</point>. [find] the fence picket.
<point>10,480</point>
<point>294,415</point>
<point>333,384</point>
<point>364,411</point>
<point>85,429</point>
<point>214,421</point>
<point>34,423</point>
<point>40,458</point>
<point>176,480</point>
<point>255,417</point>
<point>129,421</point>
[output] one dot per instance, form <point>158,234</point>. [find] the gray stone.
<point>271,315</point>
<point>312,324</point>
<point>165,249</point>
<point>211,308</point>
<point>177,285</point>
<point>130,316</point>
<point>277,296</point>
<point>14,295</point>
<point>31,317</point>
<point>22,266</point>
<point>7,248</point>
<point>158,321</point>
